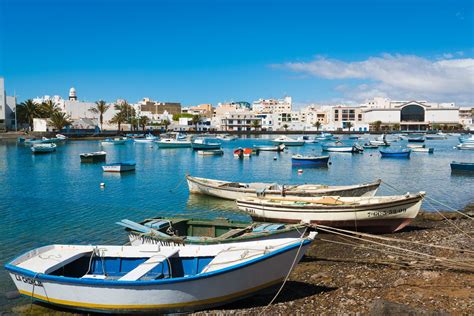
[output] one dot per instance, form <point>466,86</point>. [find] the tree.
<point>285,126</point>
<point>166,123</point>
<point>396,127</point>
<point>377,125</point>
<point>143,121</point>
<point>100,108</point>
<point>256,124</point>
<point>118,119</point>
<point>47,109</point>
<point>59,120</point>
<point>27,111</point>
<point>317,124</point>
<point>196,120</point>
<point>348,126</point>
<point>176,117</point>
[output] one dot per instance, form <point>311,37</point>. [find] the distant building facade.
<point>7,109</point>
<point>154,107</point>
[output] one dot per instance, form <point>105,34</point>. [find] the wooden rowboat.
<point>376,214</point>
<point>237,190</point>
<point>153,278</point>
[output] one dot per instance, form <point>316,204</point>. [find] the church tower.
<point>72,94</point>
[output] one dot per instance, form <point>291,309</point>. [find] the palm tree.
<point>166,123</point>
<point>285,126</point>
<point>348,125</point>
<point>59,120</point>
<point>195,120</point>
<point>118,119</point>
<point>27,111</point>
<point>256,124</point>
<point>377,125</point>
<point>396,127</point>
<point>143,121</point>
<point>47,109</point>
<point>317,124</point>
<point>100,108</point>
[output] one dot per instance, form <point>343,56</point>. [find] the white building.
<point>7,109</point>
<point>240,121</point>
<point>272,105</point>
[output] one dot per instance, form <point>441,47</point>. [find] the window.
<point>412,113</point>
<point>231,121</point>
<point>359,117</point>
<point>248,121</point>
<point>239,122</point>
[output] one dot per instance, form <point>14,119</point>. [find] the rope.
<point>179,183</point>
<point>450,222</point>
<point>33,293</point>
<point>287,275</point>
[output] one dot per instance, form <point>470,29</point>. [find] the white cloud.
<point>397,76</point>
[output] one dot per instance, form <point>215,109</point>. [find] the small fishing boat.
<point>169,231</point>
<point>395,153</point>
<point>324,136</point>
<point>236,190</point>
<point>428,150</point>
<point>466,139</point>
<point>149,138</point>
<point>43,148</point>
<point>416,146</point>
<point>465,146</point>
<point>247,152</point>
<point>239,153</point>
<point>370,146</point>
<point>379,143</point>
<point>339,148</point>
<point>308,139</point>
<point>119,166</point>
<point>300,160</point>
<point>211,152</point>
<point>114,141</point>
<point>204,143</point>
<point>278,148</point>
<point>226,137</point>
<point>153,278</point>
<point>97,156</point>
<point>381,214</point>
<point>287,141</point>
<point>416,139</point>
<point>173,143</point>
<point>462,166</point>
<point>436,136</point>
<point>353,137</point>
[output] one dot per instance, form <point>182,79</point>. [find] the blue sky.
<point>213,51</point>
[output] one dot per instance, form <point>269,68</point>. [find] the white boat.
<point>355,148</point>
<point>428,150</point>
<point>416,146</point>
<point>173,143</point>
<point>149,138</point>
<point>211,152</point>
<point>237,190</point>
<point>226,137</point>
<point>93,156</point>
<point>114,141</point>
<point>436,136</point>
<point>376,214</point>
<point>153,278</point>
<point>205,144</point>
<point>465,146</point>
<point>287,141</point>
<point>43,148</point>
<point>278,148</point>
<point>119,167</point>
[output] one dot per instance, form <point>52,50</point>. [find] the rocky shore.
<point>340,275</point>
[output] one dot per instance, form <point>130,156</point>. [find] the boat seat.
<point>53,259</point>
<point>233,233</point>
<point>148,265</point>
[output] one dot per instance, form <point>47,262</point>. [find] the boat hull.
<point>183,294</point>
<point>319,161</point>
<point>383,218</point>
<point>118,168</point>
<point>462,166</point>
<point>94,158</point>
<point>177,144</point>
<point>289,143</point>
<point>197,186</point>
<point>205,146</point>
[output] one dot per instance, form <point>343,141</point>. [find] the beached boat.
<point>114,141</point>
<point>465,146</point>
<point>119,166</point>
<point>287,141</point>
<point>300,160</point>
<point>376,214</point>
<point>395,153</point>
<point>462,166</point>
<point>428,150</point>
<point>153,278</point>
<point>149,138</point>
<point>97,156</point>
<point>169,231</point>
<point>43,148</point>
<point>343,148</point>
<point>211,152</point>
<point>204,143</point>
<point>278,148</point>
<point>237,190</point>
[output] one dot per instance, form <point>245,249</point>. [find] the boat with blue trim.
<point>288,141</point>
<point>149,138</point>
<point>338,147</point>
<point>114,141</point>
<point>119,166</point>
<point>300,160</point>
<point>416,138</point>
<point>153,278</point>
<point>205,144</point>
<point>395,153</point>
<point>43,148</point>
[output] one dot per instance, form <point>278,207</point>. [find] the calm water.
<point>53,198</point>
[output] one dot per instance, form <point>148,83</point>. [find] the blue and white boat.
<point>462,166</point>
<point>153,278</point>
<point>416,139</point>
<point>324,136</point>
<point>300,160</point>
<point>288,141</point>
<point>205,144</point>
<point>341,148</point>
<point>466,139</point>
<point>149,138</point>
<point>43,148</point>
<point>114,141</point>
<point>395,153</point>
<point>119,166</point>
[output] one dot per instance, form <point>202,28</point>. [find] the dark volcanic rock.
<point>383,307</point>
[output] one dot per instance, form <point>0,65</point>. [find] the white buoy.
<point>275,158</point>
<point>300,171</point>
<point>102,185</point>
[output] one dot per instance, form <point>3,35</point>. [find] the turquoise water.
<point>53,198</point>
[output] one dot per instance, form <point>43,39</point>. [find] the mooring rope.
<point>450,222</point>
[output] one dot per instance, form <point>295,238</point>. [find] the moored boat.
<point>395,153</point>
<point>93,156</point>
<point>247,152</point>
<point>43,148</point>
<point>287,141</point>
<point>114,141</point>
<point>278,148</point>
<point>437,136</point>
<point>428,150</point>
<point>416,139</point>
<point>370,146</point>
<point>210,152</point>
<point>465,146</point>
<point>151,278</point>
<point>173,143</point>
<point>380,214</point>
<point>416,146</point>
<point>119,166</point>
<point>236,190</point>
<point>343,148</point>
<point>204,143</point>
<point>226,137</point>
<point>168,231</point>
<point>300,160</point>
<point>149,138</point>
<point>239,153</point>
<point>462,166</point>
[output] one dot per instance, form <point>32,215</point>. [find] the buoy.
<point>275,158</point>
<point>300,171</point>
<point>330,163</point>
<point>102,185</point>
